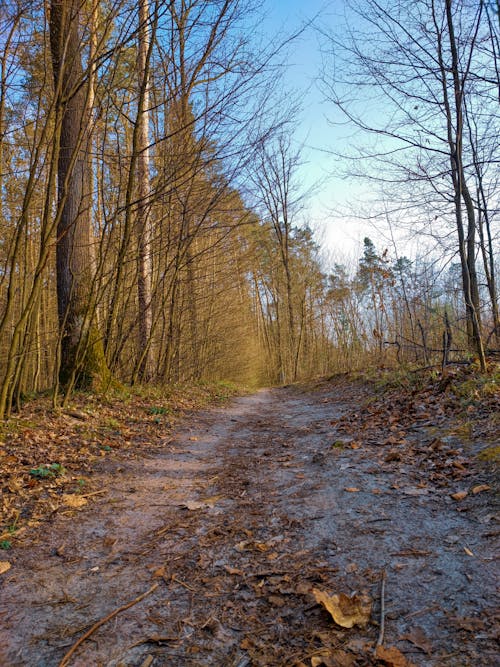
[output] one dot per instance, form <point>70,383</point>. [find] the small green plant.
<point>80,484</point>
<point>12,528</point>
<point>158,410</point>
<point>44,471</point>
<point>5,544</point>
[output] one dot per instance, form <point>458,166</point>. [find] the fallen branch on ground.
<point>104,620</point>
<point>380,639</point>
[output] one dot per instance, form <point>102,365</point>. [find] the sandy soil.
<point>234,521</point>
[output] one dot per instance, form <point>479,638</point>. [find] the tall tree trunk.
<point>143,229</point>
<point>82,358</point>
<point>461,193</point>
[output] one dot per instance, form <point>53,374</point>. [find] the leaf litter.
<point>210,546</point>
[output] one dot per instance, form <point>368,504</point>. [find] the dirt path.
<point>237,519</point>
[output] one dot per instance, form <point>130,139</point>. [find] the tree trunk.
<point>82,358</point>
<point>143,230</point>
<point>461,192</point>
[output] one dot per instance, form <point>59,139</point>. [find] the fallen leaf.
<point>345,610</point>
<point>343,659</point>
<point>303,588</point>
<point>276,600</point>
<point>159,572</point>
<point>480,488</point>
<point>233,570</point>
<point>391,656</point>
<point>351,489</point>
<point>460,495</point>
<point>468,623</point>
<point>468,551</point>
<point>193,505</point>
<point>4,566</point>
<point>71,500</point>
<point>212,500</point>
<point>414,491</point>
<point>324,659</point>
<point>419,639</point>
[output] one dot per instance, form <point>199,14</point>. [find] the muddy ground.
<point>229,525</point>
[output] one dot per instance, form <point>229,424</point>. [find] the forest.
<point>152,197</point>
<point>222,440</point>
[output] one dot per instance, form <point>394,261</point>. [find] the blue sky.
<point>340,234</point>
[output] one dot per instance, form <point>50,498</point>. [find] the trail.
<point>236,519</point>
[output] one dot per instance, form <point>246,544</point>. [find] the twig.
<point>97,625</point>
<point>419,612</point>
<point>94,493</point>
<point>155,639</point>
<point>380,639</point>
<point>182,583</point>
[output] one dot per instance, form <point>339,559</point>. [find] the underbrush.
<point>464,401</point>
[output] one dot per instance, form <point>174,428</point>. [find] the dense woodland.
<point>151,215</point>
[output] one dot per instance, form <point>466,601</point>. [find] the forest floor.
<point>236,536</point>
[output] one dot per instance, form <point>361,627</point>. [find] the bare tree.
<point>423,62</point>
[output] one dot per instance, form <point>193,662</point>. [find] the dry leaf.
<point>323,659</point>
<point>351,489</point>
<point>460,495</point>
<point>343,659</point>
<point>276,600</point>
<point>414,491</point>
<point>4,566</point>
<point>345,610</point>
<point>211,500</point>
<point>195,505</point>
<point>70,500</point>
<point>391,656</point>
<point>480,487</point>
<point>419,639</point>
<point>303,588</point>
<point>468,551</point>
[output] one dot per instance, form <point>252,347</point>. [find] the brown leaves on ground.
<point>390,656</point>
<point>47,456</point>
<point>346,610</point>
<point>388,418</point>
<point>470,400</point>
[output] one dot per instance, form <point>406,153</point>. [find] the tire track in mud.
<point>237,518</point>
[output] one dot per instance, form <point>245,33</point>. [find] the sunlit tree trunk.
<point>82,358</point>
<point>143,230</point>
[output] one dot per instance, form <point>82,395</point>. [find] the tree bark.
<point>82,358</point>
<point>143,230</point>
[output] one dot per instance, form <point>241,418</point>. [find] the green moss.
<point>338,444</point>
<point>491,454</point>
